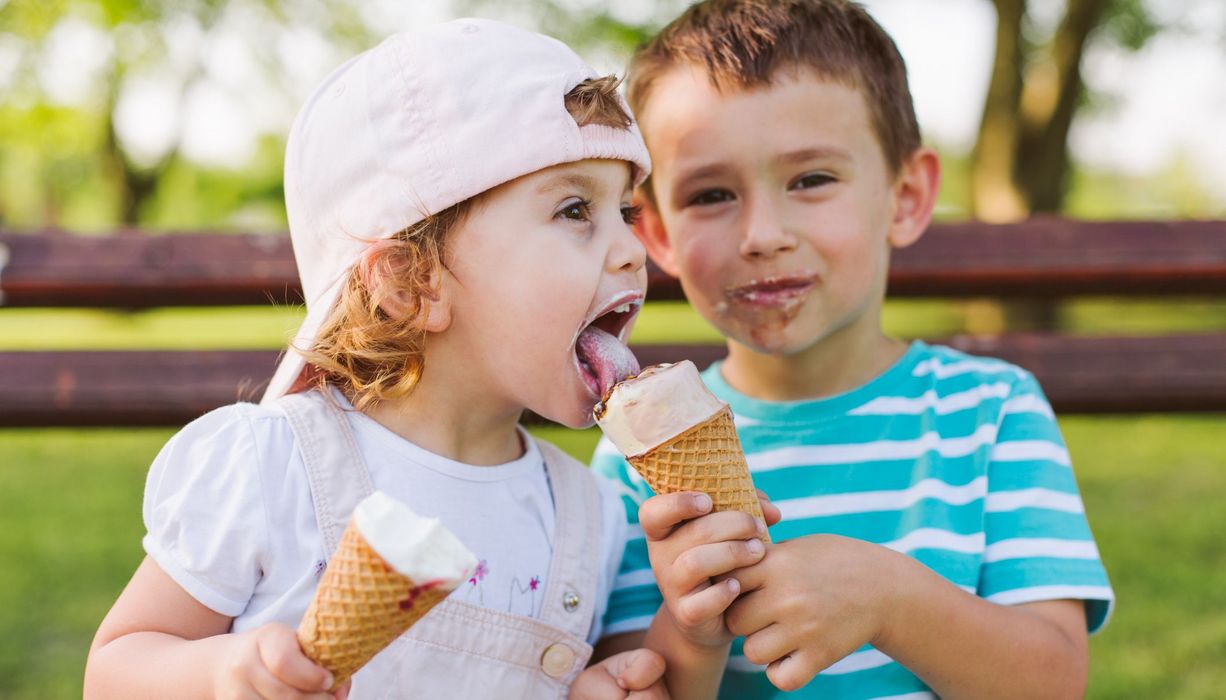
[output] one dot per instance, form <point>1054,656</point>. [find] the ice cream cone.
<point>679,436</point>
<point>362,605</point>
<point>389,569</point>
<point>706,457</point>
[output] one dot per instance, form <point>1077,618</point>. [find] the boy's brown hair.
<point>744,43</point>
<point>375,356</point>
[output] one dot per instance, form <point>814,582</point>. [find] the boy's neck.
<point>834,365</point>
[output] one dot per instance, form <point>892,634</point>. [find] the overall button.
<point>570,601</point>
<point>557,660</point>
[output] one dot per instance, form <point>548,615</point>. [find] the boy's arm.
<point>822,597</point>
<point>158,641</point>
<point>817,599</point>
<point>688,547</point>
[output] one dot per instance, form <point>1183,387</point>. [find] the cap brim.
<point>292,364</point>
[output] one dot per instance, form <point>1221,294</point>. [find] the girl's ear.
<point>434,304</point>
<point>915,196</point>
<point>650,230</point>
<point>438,307</point>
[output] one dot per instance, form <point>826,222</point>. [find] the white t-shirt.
<point>229,516</point>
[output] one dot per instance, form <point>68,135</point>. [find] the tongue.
<point>611,361</point>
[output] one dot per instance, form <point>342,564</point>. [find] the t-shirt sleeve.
<point>204,511</point>
<point>634,598</point>
<point>1038,544</point>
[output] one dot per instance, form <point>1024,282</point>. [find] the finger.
<point>659,515</point>
<point>770,511</point>
<point>766,646</point>
<point>642,669</point>
<point>794,671</point>
<point>697,564</point>
<point>657,691</point>
<point>696,608</point>
<point>596,683</point>
<point>342,693</point>
<point>281,654</point>
<point>756,575</point>
<point>718,527</point>
<point>749,613</point>
<point>267,685</point>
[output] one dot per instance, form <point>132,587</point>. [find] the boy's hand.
<point>688,546</point>
<point>813,601</point>
<point>637,674</point>
<point>267,662</point>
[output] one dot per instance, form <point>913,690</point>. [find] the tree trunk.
<point>1050,96</point>
<point>994,193</point>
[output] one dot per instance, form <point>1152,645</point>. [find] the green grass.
<point>70,533</point>
<point>250,327</point>
<point>70,522</point>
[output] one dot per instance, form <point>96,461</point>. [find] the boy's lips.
<point>774,291</point>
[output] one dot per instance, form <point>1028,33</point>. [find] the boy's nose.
<point>765,233</point>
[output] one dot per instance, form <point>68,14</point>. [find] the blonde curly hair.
<point>374,356</point>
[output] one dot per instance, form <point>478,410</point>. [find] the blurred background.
<point>171,115</point>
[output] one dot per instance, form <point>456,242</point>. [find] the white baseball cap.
<point>423,121</point>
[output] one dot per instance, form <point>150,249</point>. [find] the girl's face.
<point>536,262</point>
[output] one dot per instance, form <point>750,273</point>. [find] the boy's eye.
<point>811,180</point>
<point>575,211</point>
<point>632,213</point>
<point>708,197</point>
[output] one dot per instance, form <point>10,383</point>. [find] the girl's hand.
<point>634,674</point>
<point>688,546</point>
<point>267,662</point>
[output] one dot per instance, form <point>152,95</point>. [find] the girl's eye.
<point>709,197</point>
<point>632,214</point>
<point>812,180</point>
<point>576,211</point>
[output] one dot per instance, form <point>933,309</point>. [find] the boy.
<point>933,539</point>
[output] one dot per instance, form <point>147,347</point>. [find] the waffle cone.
<point>362,605</point>
<point>708,458</point>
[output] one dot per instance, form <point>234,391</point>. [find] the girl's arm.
<point>158,641</point>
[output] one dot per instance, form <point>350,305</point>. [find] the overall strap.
<point>336,471</point>
<point>570,588</point>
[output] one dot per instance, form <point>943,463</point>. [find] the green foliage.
<point>1129,23</point>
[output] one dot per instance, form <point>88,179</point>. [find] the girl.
<point>459,201</point>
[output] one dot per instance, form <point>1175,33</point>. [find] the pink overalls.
<point>460,650</point>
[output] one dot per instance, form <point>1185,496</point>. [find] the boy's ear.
<point>650,231</point>
<point>915,196</point>
<point>399,304</point>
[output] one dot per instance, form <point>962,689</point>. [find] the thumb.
<point>770,511</point>
<point>638,669</point>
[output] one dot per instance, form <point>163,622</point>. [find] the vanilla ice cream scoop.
<point>659,404</point>
<point>680,437</point>
<point>417,547</point>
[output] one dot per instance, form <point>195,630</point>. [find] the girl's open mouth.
<point>601,354</point>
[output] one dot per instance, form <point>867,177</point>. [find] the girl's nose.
<point>627,253</point>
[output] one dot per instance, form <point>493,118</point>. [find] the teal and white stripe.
<point>954,460</point>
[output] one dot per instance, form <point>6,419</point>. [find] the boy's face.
<point>538,260</point>
<point>775,206</point>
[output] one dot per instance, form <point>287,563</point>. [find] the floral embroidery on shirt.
<point>528,591</point>
<point>478,576</point>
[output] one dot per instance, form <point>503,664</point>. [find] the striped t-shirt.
<point>952,459</point>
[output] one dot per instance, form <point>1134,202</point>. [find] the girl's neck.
<point>453,422</point>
